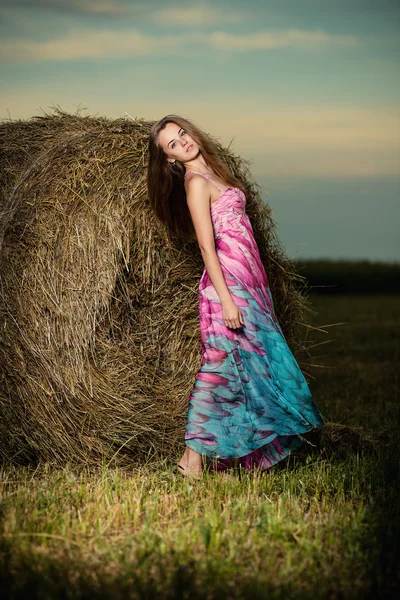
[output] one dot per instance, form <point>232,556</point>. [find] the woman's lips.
<point>189,148</point>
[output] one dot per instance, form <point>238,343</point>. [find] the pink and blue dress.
<point>250,400</point>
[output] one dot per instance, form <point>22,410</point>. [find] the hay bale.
<point>23,143</point>
<point>100,340</point>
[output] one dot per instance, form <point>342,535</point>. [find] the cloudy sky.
<point>307,90</point>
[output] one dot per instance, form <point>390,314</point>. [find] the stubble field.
<point>324,523</point>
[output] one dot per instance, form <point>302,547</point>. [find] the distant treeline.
<point>326,276</point>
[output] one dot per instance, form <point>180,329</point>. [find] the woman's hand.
<point>232,315</point>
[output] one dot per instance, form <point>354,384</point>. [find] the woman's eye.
<point>174,142</point>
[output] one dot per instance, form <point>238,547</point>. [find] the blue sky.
<point>307,90</point>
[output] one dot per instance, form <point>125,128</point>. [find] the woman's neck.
<point>201,167</point>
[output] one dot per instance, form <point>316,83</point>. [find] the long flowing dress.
<point>250,400</point>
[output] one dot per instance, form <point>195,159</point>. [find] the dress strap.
<point>204,175</point>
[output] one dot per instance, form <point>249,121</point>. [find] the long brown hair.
<point>165,181</point>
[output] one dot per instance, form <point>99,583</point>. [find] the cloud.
<point>310,142</point>
<point>88,44</point>
<point>109,8</point>
<point>316,141</point>
<point>91,43</point>
<point>200,14</point>
<point>291,38</point>
<point>317,128</point>
<point>280,141</point>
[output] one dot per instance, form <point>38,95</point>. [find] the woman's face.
<point>177,144</point>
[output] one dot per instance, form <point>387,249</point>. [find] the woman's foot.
<point>188,472</point>
<point>190,464</point>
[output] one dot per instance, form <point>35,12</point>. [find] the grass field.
<point>324,523</point>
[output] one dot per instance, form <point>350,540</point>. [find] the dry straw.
<point>100,339</point>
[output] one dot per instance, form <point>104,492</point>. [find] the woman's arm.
<point>198,199</point>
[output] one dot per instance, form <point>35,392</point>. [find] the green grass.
<point>317,525</point>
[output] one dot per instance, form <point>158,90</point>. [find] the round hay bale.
<point>23,142</point>
<point>100,340</point>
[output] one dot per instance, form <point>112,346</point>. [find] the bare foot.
<point>190,464</point>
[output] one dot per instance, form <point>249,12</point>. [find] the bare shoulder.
<point>198,201</point>
<point>197,186</point>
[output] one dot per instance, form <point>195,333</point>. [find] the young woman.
<point>250,400</point>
